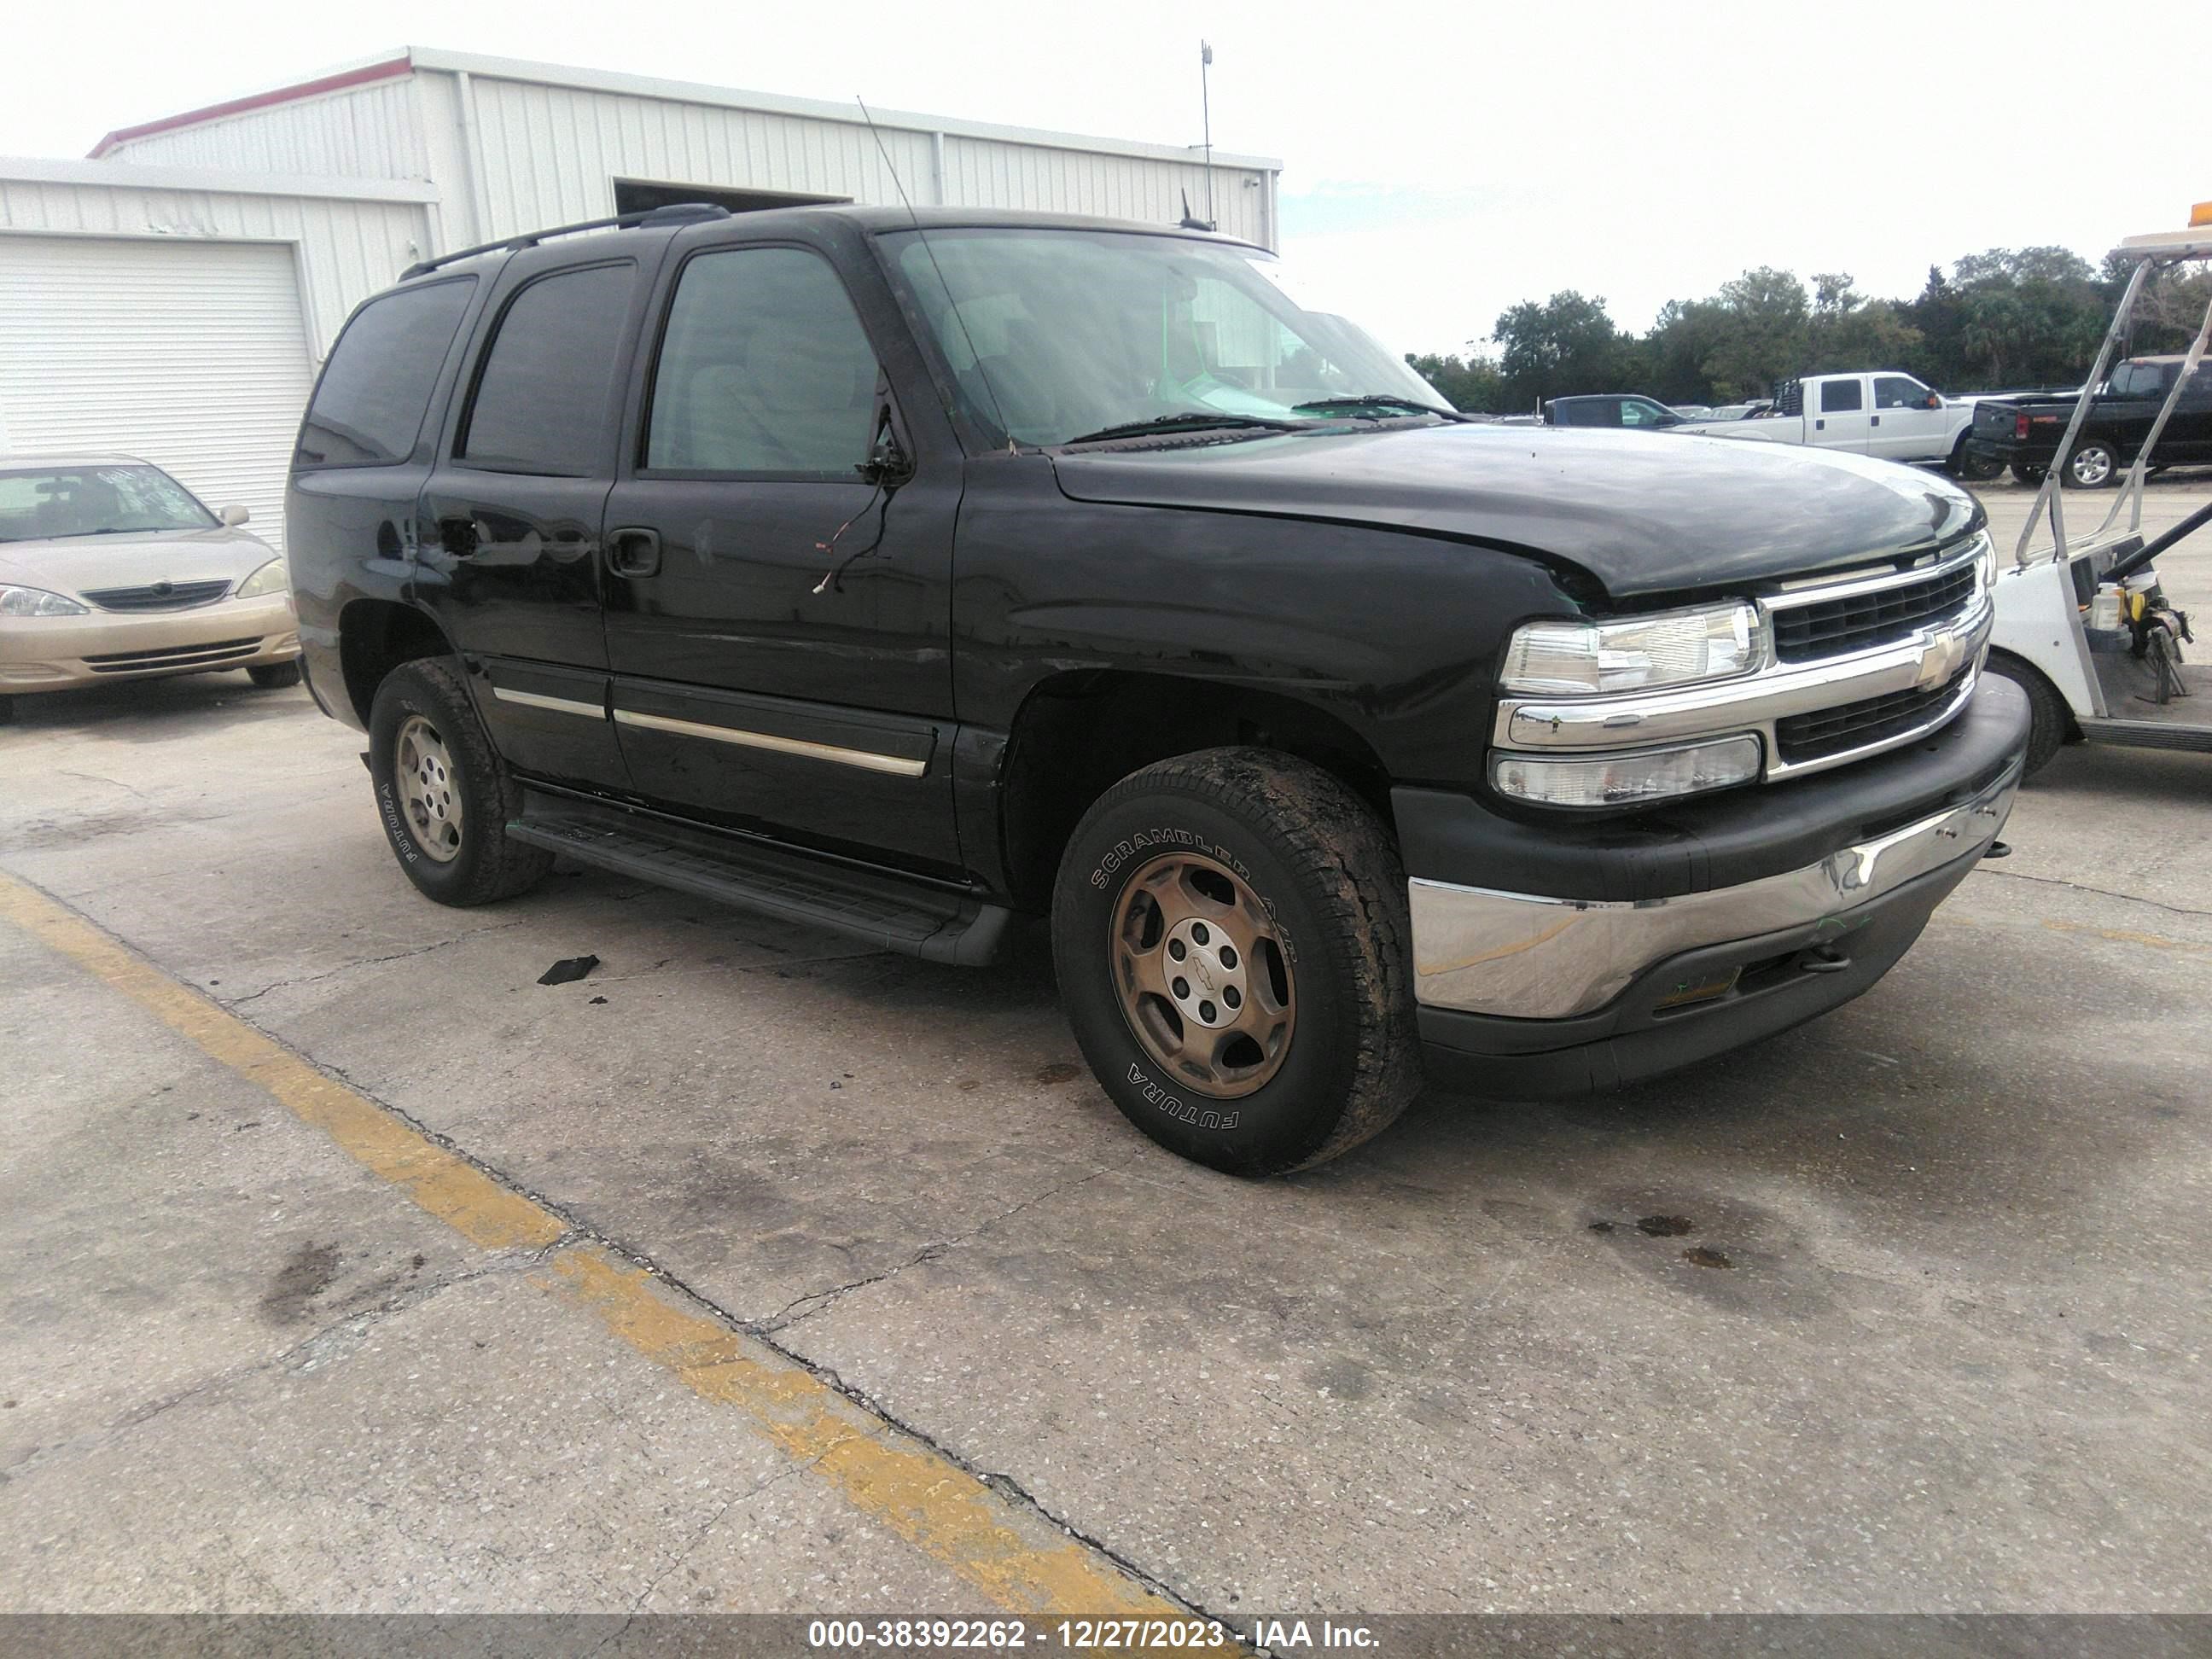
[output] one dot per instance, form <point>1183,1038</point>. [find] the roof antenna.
<point>1190,220</point>
<point>922,237</point>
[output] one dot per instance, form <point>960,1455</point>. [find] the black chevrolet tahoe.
<point>906,574</point>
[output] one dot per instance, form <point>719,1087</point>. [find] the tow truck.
<point>2082,624</point>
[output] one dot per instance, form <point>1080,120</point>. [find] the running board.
<point>2149,734</point>
<point>879,910</point>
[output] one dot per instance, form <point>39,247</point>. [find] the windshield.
<point>1055,334</point>
<point>123,499</point>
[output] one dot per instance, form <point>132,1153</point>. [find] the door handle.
<point>461,537</point>
<point>634,552</point>
<point>1876,422</point>
<point>1820,426</point>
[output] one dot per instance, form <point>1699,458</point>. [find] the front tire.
<point>2022,472</point>
<point>2048,722</point>
<point>442,793</point>
<point>1230,933</point>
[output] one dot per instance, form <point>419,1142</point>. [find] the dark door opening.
<point>643,195</point>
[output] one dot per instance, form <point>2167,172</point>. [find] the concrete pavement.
<point>1898,1311</point>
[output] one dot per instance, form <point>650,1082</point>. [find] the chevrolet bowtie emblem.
<point>1941,660</point>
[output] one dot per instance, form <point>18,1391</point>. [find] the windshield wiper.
<point>1379,400</point>
<point>1196,420</point>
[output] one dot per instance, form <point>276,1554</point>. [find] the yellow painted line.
<point>1016,1558</point>
<point>449,1188</point>
<point>934,1504</point>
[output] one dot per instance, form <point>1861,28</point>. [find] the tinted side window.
<point>370,403</point>
<point>1899,391</point>
<point>542,396</point>
<point>1840,395</point>
<point>764,368</point>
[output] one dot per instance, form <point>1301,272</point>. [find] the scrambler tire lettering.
<point>1176,1107</point>
<point>395,824</point>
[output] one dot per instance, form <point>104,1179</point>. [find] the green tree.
<point>1767,334</point>
<point>1566,345</point>
<point>1470,383</point>
<point>1683,338</point>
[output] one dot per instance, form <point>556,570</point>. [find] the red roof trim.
<point>385,71</point>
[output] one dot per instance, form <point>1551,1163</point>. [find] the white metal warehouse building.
<point>172,296</point>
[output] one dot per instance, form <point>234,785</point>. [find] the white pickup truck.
<point>1881,412</point>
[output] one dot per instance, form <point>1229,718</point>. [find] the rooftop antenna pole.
<point>1205,117</point>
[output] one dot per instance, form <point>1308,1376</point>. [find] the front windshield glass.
<point>95,501</point>
<point>1054,334</point>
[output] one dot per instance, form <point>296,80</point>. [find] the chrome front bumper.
<point>1525,956</point>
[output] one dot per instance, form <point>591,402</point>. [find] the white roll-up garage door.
<point>191,354</point>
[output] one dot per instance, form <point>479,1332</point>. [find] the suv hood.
<point>1646,514</point>
<point>70,564</point>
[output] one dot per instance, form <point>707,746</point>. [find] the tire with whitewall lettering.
<point>1231,934</point>
<point>442,793</point>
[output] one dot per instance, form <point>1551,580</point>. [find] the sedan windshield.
<point>1058,335</point>
<point>119,500</point>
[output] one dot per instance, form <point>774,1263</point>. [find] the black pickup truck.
<point>906,574</point>
<point>2022,431</point>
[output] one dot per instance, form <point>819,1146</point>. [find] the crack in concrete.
<point>784,1318</point>
<point>334,1340</point>
<point>95,777</point>
<point>578,1232</point>
<point>370,961</point>
<point>704,1530</point>
<point>2101,892</point>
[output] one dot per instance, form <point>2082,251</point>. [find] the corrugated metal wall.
<point>347,248</point>
<point>545,153</point>
<point>363,132</point>
<point>551,153</point>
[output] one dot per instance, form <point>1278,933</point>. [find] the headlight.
<point>1673,647</point>
<point>36,602</point>
<point>269,579</point>
<point>1626,779</point>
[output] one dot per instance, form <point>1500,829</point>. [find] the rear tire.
<point>2048,722</point>
<point>443,793</point>
<point>2094,465</point>
<point>1276,1058</point>
<point>1964,467</point>
<point>2030,476</point>
<point>275,676</point>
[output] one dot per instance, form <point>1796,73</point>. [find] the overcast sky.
<point>1441,163</point>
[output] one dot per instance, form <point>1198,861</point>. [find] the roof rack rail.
<point>675,213</point>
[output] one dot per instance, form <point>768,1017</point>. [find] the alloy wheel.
<point>1203,978</point>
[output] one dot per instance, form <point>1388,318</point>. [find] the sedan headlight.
<point>37,602</point>
<point>269,579</point>
<point>1672,648</point>
<point>1626,779</point>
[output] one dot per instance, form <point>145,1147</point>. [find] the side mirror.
<point>234,515</point>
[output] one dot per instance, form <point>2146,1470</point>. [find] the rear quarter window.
<point>544,391</point>
<point>368,407</point>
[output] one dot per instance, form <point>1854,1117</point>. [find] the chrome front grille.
<point>157,596</point>
<point>1859,665</point>
<point>1861,617</point>
<point>1854,726</point>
